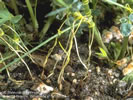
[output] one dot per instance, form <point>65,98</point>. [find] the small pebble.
<point>73,99</point>
<point>122,84</point>
<point>110,72</point>
<point>48,81</point>
<point>88,98</point>
<point>98,70</point>
<point>73,90</point>
<point>129,99</point>
<point>117,74</point>
<point>114,80</point>
<point>26,92</point>
<point>75,81</point>
<point>130,39</point>
<point>56,57</point>
<point>37,98</point>
<point>68,73</point>
<point>29,27</point>
<point>111,83</point>
<point>96,93</point>
<point>89,70</point>
<point>112,77</point>
<point>128,69</point>
<point>103,81</point>
<point>73,74</point>
<point>107,36</point>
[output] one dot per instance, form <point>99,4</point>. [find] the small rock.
<point>128,69</point>
<point>72,74</point>
<point>111,83</point>
<point>14,66</point>
<point>88,98</point>
<point>56,57</point>
<point>116,33</point>
<point>112,77</point>
<point>37,98</point>
<point>68,73</point>
<point>75,81</point>
<point>26,93</point>
<point>42,88</point>
<point>89,70</point>
<point>72,90</point>
<point>130,39</point>
<point>107,36</point>
<point>114,80</point>
<point>98,70</point>
<point>48,81</point>
<point>69,69</point>
<point>29,27</point>
<point>122,84</point>
<point>121,63</point>
<point>57,95</point>
<point>116,74</point>
<point>73,99</point>
<point>110,72</point>
<point>96,93</point>
<point>129,99</point>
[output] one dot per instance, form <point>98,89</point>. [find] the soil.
<point>101,82</point>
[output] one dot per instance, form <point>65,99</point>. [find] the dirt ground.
<point>101,82</point>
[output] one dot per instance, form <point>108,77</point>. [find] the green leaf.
<point>110,1</point>
<point>116,49</point>
<point>123,20</point>
<point>1,32</point>
<point>131,17</point>
<point>5,15</point>
<point>75,1</point>
<point>16,19</point>
<point>62,3</point>
<point>126,29</point>
<point>96,12</point>
<point>128,77</point>
<point>56,12</point>
<point>103,53</point>
<point>2,5</point>
<point>114,0</point>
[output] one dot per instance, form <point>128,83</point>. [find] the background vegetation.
<point>106,26</point>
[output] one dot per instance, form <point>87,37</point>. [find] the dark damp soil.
<point>100,83</point>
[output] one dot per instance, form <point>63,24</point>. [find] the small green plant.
<point>126,27</point>
<point>102,54</point>
<point>8,35</point>
<point>32,14</point>
<point>128,78</point>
